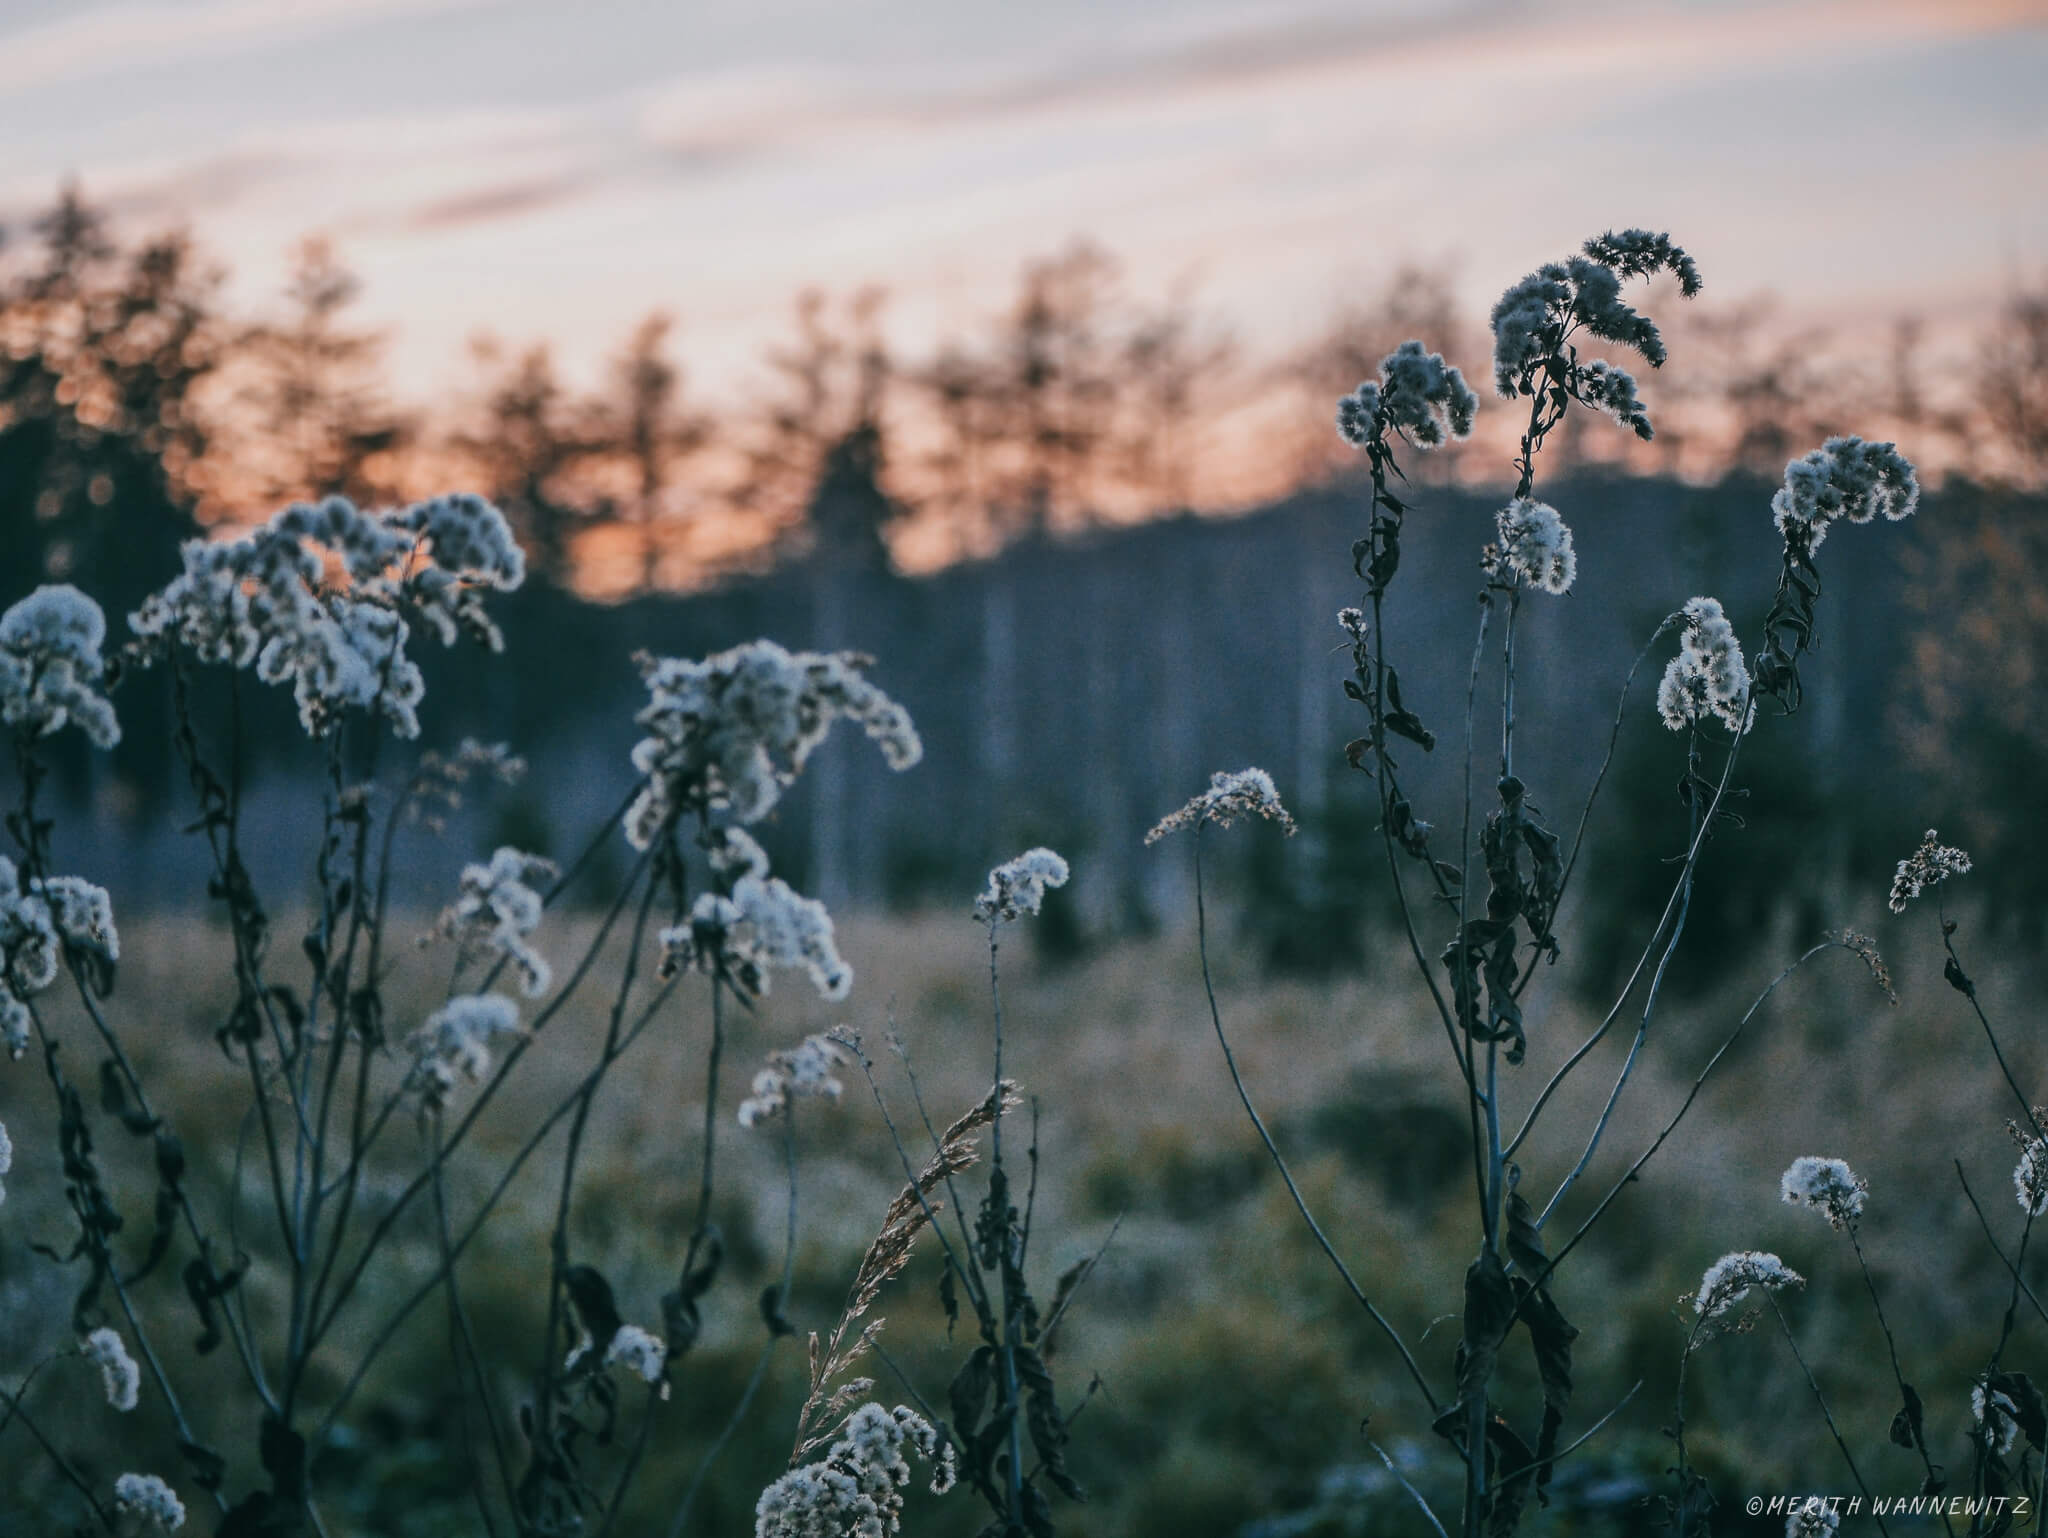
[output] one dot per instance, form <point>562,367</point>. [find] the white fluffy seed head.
<point>51,669</point>
<point>1709,678</point>
<point>1729,1280</point>
<point>1534,548</point>
<point>1926,867</point>
<point>1018,886</point>
<point>1245,793</point>
<point>148,1497</point>
<point>1828,1186</point>
<point>119,1375</point>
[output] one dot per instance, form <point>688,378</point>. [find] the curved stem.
<point>1821,1399</point>
<point>1273,1152</point>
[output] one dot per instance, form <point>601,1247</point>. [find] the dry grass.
<point>1236,1368</point>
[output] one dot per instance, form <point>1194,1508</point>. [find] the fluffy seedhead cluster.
<point>496,909</point>
<point>1534,548</point>
<point>35,926</point>
<point>51,671</point>
<point>441,779</point>
<point>640,1352</point>
<point>760,926</point>
<point>1828,1186</point>
<point>730,732</point>
<point>455,1043</point>
<point>1534,321</point>
<point>1246,793</point>
<point>2030,1174</point>
<point>1928,866</point>
<point>1843,478</point>
<point>856,1489</point>
<point>148,1497</point>
<point>1994,1417</point>
<point>802,1072</point>
<point>1708,677</point>
<point>319,597</point>
<point>1018,886</point>
<point>1418,396</point>
<point>119,1376</point>
<point>1729,1280</point>
<point>1815,1517</point>
<point>1612,391</point>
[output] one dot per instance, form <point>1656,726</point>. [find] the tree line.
<point>137,407</point>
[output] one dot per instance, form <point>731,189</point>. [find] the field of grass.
<point>1239,1381</point>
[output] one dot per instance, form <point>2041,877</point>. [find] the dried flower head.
<point>800,1072</point>
<point>1928,866</point>
<point>761,926</point>
<point>1867,951</point>
<point>83,915</point>
<point>1534,319</point>
<point>1019,886</point>
<point>455,1042</point>
<point>1641,254</point>
<point>119,1375</point>
<point>438,782</point>
<point>1417,395</point>
<point>1844,478</point>
<point>1534,549</point>
<point>1814,1517</point>
<point>1729,1280</point>
<point>148,1497</point>
<point>51,669</point>
<point>1613,390</point>
<point>1827,1185</point>
<point>1247,793</point>
<point>733,730</point>
<point>2030,1177</point>
<point>857,1487</point>
<point>496,910</point>
<point>31,948</point>
<point>1995,1415</point>
<point>640,1353</point>
<point>1708,677</point>
<point>319,597</point>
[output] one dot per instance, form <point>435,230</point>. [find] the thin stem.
<point>77,1481</point>
<point>1691,1095</point>
<point>462,1349</point>
<point>1821,1400</point>
<point>1600,778</point>
<point>681,1522</point>
<point>1642,1027</point>
<point>1898,1374</point>
<point>1273,1151</point>
<point>1671,904</point>
<point>1413,1493</point>
<point>396,1320</point>
<point>1572,1446</point>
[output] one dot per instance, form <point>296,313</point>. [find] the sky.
<point>545,171</point>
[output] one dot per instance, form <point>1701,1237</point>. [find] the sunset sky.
<point>552,171</point>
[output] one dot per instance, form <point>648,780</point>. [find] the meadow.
<point>599,1200</point>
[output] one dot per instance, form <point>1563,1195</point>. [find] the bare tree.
<point>1169,370</point>
<point>832,381</point>
<point>654,433</point>
<point>323,422</point>
<point>531,439</point>
<point>2012,381</point>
